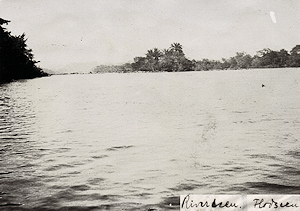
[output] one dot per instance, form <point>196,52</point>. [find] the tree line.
<point>173,59</point>
<point>16,60</point>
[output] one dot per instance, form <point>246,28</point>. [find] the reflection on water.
<point>138,141</point>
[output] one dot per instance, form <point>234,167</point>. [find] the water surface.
<point>137,141</point>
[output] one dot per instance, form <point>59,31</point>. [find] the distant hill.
<point>80,68</point>
<point>50,72</point>
<point>108,69</point>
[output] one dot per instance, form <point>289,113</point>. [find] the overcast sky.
<point>63,32</point>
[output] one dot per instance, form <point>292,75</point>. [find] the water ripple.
<point>119,148</point>
<point>117,141</point>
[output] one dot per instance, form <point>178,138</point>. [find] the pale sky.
<point>64,32</point>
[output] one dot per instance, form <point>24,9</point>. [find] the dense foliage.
<point>171,60</point>
<point>16,60</point>
<point>174,60</point>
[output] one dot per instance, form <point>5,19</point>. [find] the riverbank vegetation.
<point>173,59</point>
<point>16,60</point>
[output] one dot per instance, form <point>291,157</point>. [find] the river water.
<point>137,141</point>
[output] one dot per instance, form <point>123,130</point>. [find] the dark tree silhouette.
<point>16,60</point>
<point>177,47</point>
<point>294,59</point>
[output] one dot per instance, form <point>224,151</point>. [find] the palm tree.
<point>154,54</point>
<point>176,47</point>
<point>167,52</point>
<point>153,57</point>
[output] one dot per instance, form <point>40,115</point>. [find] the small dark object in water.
<point>262,85</point>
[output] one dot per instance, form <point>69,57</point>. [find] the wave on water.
<point>139,141</point>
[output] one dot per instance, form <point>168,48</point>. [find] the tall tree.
<point>16,60</point>
<point>243,60</point>
<point>153,57</point>
<point>294,59</point>
<point>177,48</point>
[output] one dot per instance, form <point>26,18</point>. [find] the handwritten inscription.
<point>261,203</point>
<point>239,202</point>
<point>188,203</point>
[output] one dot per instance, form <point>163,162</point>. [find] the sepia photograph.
<point>131,104</point>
